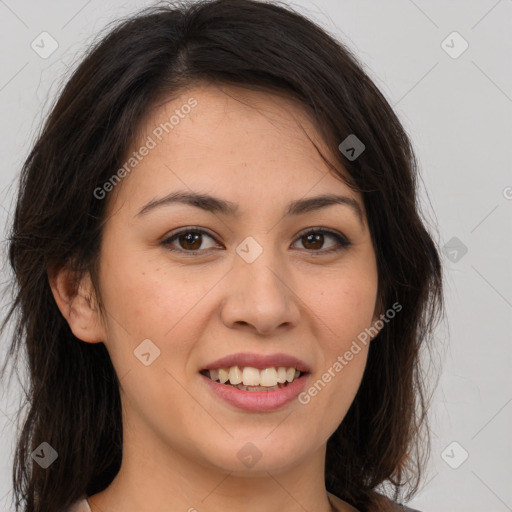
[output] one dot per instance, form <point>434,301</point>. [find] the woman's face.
<point>188,282</point>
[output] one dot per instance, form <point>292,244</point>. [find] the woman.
<point>223,282</point>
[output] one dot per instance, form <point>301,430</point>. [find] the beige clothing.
<point>81,506</point>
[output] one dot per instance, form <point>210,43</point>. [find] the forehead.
<point>222,114</point>
<point>228,139</point>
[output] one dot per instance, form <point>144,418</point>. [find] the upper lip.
<point>258,361</point>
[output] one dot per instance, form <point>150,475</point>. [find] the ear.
<point>76,301</point>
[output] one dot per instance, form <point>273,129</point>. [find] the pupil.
<point>317,238</point>
<point>190,238</point>
<point>313,239</point>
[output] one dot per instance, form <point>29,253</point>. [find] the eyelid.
<point>343,241</point>
<point>184,230</point>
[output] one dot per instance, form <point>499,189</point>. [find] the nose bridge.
<point>259,291</point>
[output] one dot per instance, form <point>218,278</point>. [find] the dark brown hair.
<point>73,396</point>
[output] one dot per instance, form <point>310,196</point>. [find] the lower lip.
<point>257,401</point>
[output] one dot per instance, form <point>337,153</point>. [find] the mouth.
<point>248,378</point>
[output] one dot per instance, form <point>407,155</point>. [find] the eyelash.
<point>343,241</point>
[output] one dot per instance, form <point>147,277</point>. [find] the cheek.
<point>134,284</point>
<point>149,300</point>
<point>345,304</point>
<point>345,308</point>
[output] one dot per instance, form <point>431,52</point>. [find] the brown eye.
<point>314,239</point>
<point>189,240</point>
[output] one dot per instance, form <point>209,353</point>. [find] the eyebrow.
<point>216,205</point>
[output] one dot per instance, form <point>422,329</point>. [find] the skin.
<point>180,440</point>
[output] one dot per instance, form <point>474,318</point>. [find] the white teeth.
<point>223,375</point>
<point>268,377</point>
<point>253,377</point>
<point>235,375</point>
<point>281,375</point>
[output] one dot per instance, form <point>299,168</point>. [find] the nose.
<point>260,296</point>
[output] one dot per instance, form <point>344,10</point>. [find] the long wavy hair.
<point>73,394</point>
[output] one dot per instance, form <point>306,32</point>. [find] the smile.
<point>268,394</point>
<point>252,379</point>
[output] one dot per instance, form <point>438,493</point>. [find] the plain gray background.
<point>457,110</point>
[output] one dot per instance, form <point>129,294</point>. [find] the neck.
<point>180,483</point>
